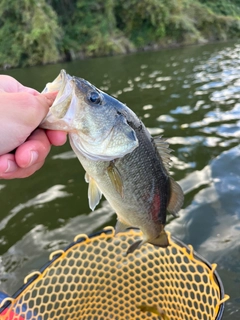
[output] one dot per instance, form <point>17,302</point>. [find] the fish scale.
<point>141,171</point>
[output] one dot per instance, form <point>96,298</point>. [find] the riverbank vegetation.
<point>46,31</point>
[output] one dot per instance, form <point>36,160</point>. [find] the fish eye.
<point>95,97</point>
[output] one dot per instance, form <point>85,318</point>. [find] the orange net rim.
<point>110,231</point>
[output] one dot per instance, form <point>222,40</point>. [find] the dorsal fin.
<point>176,199</point>
<point>163,150</point>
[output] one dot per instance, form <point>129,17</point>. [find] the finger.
<point>28,158</point>
<point>34,150</point>
<point>28,109</point>
<point>10,84</point>
<point>20,172</point>
<point>41,104</point>
<point>50,96</point>
<point>7,165</point>
<point>28,90</point>
<point>57,138</point>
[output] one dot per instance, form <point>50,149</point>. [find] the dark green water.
<point>189,95</point>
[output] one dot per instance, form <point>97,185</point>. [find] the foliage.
<point>28,33</point>
<point>142,21</point>
<point>224,7</point>
<point>157,23</point>
<point>43,31</point>
<point>91,29</point>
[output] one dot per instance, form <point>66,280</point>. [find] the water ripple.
<point>41,199</point>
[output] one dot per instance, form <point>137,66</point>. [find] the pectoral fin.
<point>94,194</point>
<point>176,199</point>
<point>115,178</point>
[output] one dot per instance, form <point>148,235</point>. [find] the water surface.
<point>189,95</point>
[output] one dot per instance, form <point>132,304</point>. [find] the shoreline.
<point>150,48</point>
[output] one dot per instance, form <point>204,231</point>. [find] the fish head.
<point>96,122</point>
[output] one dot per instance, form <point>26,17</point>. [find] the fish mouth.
<point>70,89</point>
<point>57,112</point>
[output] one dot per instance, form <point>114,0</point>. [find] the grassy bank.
<point>46,31</point>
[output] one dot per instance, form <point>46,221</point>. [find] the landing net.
<point>93,279</point>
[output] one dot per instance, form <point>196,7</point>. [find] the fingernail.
<point>34,157</point>
<point>11,166</point>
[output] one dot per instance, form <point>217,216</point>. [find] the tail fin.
<point>161,240</point>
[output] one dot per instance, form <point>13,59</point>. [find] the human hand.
<point>22,109</point>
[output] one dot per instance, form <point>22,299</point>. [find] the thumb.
<point>50,96</point>
<point>37,107</point>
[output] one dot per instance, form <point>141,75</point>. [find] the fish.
<point>122,160</point>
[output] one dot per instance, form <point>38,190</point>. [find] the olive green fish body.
<point>146,185</point>
<point>122,161</point>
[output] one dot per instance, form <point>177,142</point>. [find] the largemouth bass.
<point>121,159</point>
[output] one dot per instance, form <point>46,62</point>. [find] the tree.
<point>28,33</point>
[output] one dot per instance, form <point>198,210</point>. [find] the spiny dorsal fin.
<point>176,199</point>
<point>94,194</point>
<point>115,178</point>
<point>163,150</point>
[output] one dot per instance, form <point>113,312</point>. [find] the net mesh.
<point>94,279</point>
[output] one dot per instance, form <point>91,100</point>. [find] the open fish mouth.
<point>64,85</point>
<point>61,105</point>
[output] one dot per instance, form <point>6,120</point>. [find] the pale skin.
<point>23,146</point>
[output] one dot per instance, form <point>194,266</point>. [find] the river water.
<point>189,95</point>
